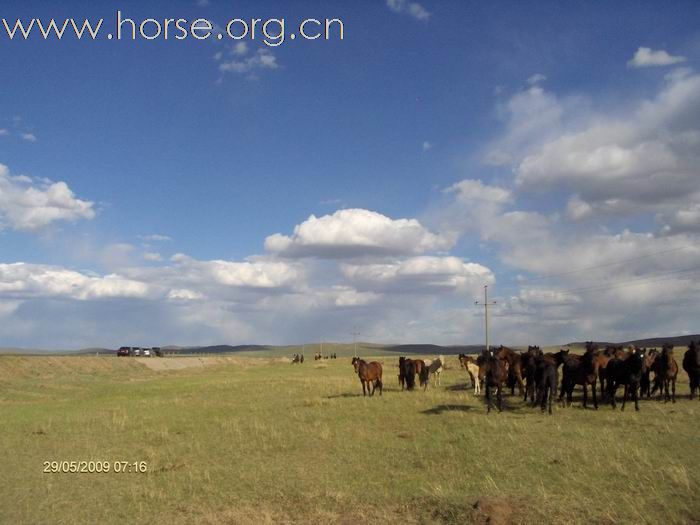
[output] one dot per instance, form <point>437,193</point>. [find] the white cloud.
<point>427,146</point>
<point>413,9</point>
<point>472,190</point>
<point>423,274</point>
<point>30,204</point>
<point>29,137</point>
<point>183,294</point>
<point>646,57</point>
<point>643,159</point>
<point>356,232</point>
<point>152,256</point>
<point>4,132</point>
<point>536,79</point>
<point>531,116</point>
<point>263,59</point>
<point>22,280</point>
<point>240,48</point>
<point>263,275</point>
<point>155,237</point>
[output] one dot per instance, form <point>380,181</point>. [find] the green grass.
<point>259,440</point>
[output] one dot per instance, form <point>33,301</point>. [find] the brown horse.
<point>514,365</point>
<point>666,370</point>
<point>495,371</point>
<point>580,370</point>
<point>369,374</point>
<point>645,383</point>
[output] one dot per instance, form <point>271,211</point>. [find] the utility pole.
<point>354,341</point>
<point>486,304</point>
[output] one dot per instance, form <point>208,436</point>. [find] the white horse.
<point>434,368</point>
<point>473,371</point>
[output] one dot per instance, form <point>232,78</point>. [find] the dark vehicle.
<point>157,351</point>
<point>124,351</point>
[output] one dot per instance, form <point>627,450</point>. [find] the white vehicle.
<point>146,352</point>
<point>137,351</point>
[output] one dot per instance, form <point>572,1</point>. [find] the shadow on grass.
<point>446,408</point>
<point>459,388</point>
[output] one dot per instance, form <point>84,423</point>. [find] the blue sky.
<point>150,189</point>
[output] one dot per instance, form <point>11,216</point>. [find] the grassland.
<point>246,440</point>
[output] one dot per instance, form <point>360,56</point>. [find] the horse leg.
<point>499,398</point>
<point>488,398</point>
<point>543,398</point>
<point>673,389</point>
<point>624,399</point>
<point>595,396</point>
<point>635,393</point>
<point>585,395</point>
<point>612,390</point>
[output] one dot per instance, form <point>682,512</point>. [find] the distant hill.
<point>678,340</point>
<point>342,349</point>
<point>431,349</point>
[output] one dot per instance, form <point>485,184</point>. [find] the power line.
<point>662,276</point>
<point>605,265</point>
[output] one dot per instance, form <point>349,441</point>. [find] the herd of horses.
<point>536,374</point>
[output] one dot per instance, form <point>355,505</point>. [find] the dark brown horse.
<point>529,367</point>
<point>547,376</point>
<point>369,374</point>
<point>666,371</point>
<point>580,370</point>
<point>625,370</point>
<point>495,372</point>
<point>603,358</point>
<point>514,366</point>
<point>691,365</point>
<point>409,371</point>
<point>402,372</point>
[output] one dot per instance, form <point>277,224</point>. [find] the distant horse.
<point>666,371</point>
<point>580,370</point>
<point>297,359</point>
<point>514,367</point>
<point>691,365</point>
<point>625,370</point>
<point>473,370</point>
<point>369,374</point>
<point>495,371</point>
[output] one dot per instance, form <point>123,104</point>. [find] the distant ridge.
<point>432,349</point>
<point>678,340</point>
<point>342,348</point>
